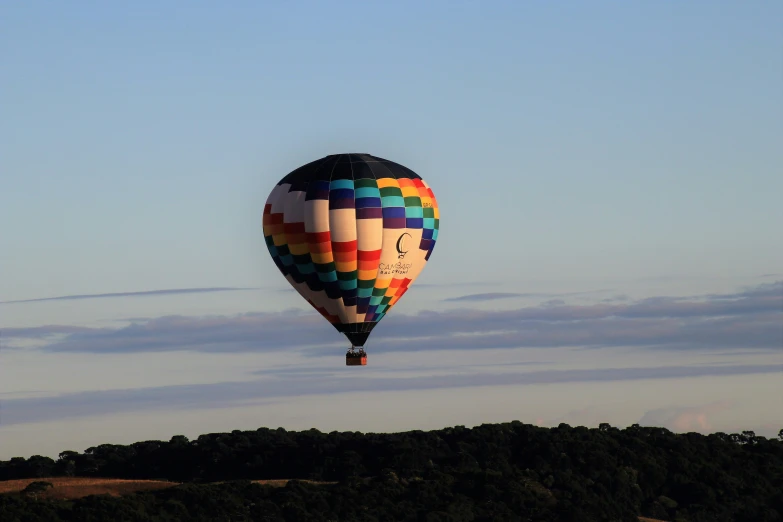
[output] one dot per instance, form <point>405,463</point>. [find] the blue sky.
<point>591,159</point>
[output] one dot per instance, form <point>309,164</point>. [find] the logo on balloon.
<point>400,240</point>
<point>398,268</point>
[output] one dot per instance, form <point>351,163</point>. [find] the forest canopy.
<point>493,472</point>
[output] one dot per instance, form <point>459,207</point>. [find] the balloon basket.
<point>355,360</point>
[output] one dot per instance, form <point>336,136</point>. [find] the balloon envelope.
<point>351,232</point>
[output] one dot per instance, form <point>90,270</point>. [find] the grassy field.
<point>77,487</point>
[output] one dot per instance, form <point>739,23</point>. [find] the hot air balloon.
<point>351,232</point>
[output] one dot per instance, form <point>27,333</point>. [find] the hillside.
<point>489,473</point>
<point>78,487</point>
<point>70,488</point>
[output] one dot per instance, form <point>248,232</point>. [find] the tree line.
<point>493,472</point>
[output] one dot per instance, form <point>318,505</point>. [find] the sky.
<point>608,174</point>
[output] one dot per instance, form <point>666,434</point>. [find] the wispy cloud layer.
<point>749,319</point>
<point>693,418</point>
<point>312,382</point>
<point>616,298</point>
<point>43,332</point>
<point>174,291</point>
<point>492,296</point>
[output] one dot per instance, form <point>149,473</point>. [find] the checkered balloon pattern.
<point>351,232</point>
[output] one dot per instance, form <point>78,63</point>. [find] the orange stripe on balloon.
<point>345,257</point>
<point>369,265</point>
<point>320,248</point>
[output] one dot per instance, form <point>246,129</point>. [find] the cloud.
<point>484,297</point>
<point>685,419</point>
<point>764,290</point>
<point>132,294</point>
<point>272,388</point>
<point>240,333</point>
<point>752,319</point>
<point>491,296</point>
<point>43,332</point>
<point>452,284</point>
<point>669,278</point>
<point>616,298</point>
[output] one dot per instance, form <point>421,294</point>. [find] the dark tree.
<point>493,472</point>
